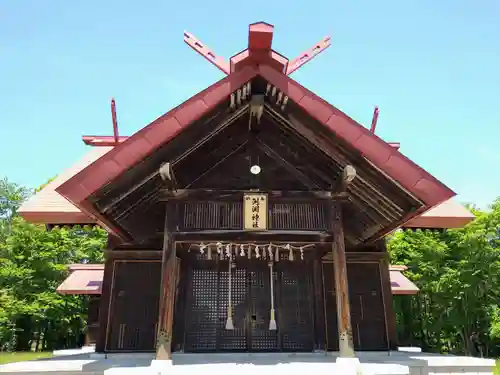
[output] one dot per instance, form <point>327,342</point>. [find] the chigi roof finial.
<point>259,50</point>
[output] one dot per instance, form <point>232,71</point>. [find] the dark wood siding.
<point>229,216</point>
<point>93,315</point>
<point>134,306</point>
<point>206,296</point>
<point>367,306</point>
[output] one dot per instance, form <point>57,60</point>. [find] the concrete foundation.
<point>370,363</point>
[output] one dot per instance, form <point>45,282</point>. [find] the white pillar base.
<point>348,366</point>
<point>161,366</point>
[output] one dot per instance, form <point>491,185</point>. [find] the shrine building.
<point>250,218</point>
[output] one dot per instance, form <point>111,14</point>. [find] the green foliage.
<point>458,273</point>
<point>33,262</point>
<point>11,197</point>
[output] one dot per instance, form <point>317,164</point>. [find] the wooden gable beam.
<point>305,180</point>
<point>153,175</point>
<point>167,194</point>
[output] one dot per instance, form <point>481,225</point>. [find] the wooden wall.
<point>131,286</point>
<point>92,331</point>
<point>129,303</point>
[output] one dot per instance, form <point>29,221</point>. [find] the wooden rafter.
<point>288,166</point>
<point>296,150</point>
<point>368,174</point>
<point>218,162</point>
<point>168,194</point>
<point>341,159</point>
<point>212,133</point>
<point>282,139</point>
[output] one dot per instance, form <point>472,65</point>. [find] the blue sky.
<point>433,67</point>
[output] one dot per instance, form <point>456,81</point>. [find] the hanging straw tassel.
<point>272,321</point>
<point>229,321</point>
<point>290,252</point>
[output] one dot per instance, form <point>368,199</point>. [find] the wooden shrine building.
<point>86,279</point>
<point>251,217</point>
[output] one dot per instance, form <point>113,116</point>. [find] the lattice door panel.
<point>295,308</point>
<point>332,334</point>
<point>202,315</point>
<point>232,340</point>
<point>261,338</point>
<point>207,302</point>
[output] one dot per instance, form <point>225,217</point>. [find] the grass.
<point>497,368</point>
<point>9,357</point>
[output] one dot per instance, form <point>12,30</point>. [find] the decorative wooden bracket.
<point>115,121</point>
<point>167,175</point>
<point>106,140</point>
<point>374,120</point>
<point>260,37</point>
<point>308,55</point>
<point>203,50</point>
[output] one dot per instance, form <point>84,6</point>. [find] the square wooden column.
<point>105,300</point>
<point>346,346</point>
<point>167,297</point>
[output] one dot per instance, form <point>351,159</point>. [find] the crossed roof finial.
<point>260,39</point>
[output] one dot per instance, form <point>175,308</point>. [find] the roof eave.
<point>439,222</point>
<point>79,188</point>
<point>56,217</point>
<point>409,175</point>
<point>382,155</point>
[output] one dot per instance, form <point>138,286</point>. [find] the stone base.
<point>410,349</point>
<point>348,366</point>
<point>366,363</point>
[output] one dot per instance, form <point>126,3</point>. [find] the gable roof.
<point>148,139</point>
<point>381,154</point>
<point>450,212</point>
<point>49,207</point>
<point>83,279</point>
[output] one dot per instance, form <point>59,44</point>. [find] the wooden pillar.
<point>346,346</point>
<point>105,300</point>
<point>319,306</point>
<point>167,292</point>
<point>390,316</point>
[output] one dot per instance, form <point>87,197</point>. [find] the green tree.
<point>11,197</point>
<point>33,262</point>
<point>457,272</point>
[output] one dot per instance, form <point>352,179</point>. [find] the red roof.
<point>83,279</point>
<point>49,207</point>
<point>125,155</point>
<point>450,212</point>
<point>257,60</point>
<point>400,284</point>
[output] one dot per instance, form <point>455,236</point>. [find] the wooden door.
<point>367,307</point>
<point>368,313</point>
<point>134,306</point>
<point>207,300</point>
<point>260,339</point>
<point>295,308</point>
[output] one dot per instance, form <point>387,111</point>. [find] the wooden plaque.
<point>255,211</point>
